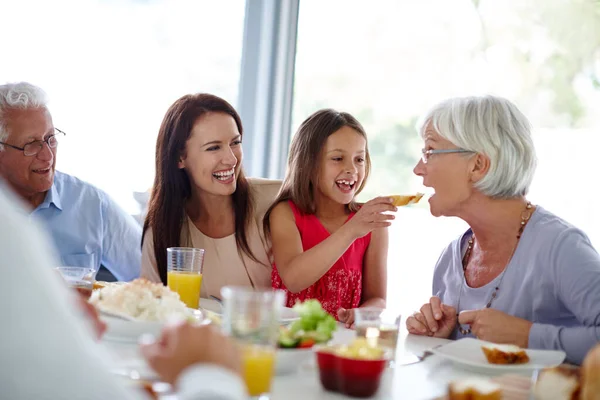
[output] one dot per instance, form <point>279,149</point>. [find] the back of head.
<point>304,159</point>
<point>18,96</point>
<point>495,127</point>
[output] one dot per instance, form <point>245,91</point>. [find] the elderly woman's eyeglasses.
<point>428,153</point>
<point>33,148</point>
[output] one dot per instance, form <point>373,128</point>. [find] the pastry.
<point>590,375</point>
<point>474,389</point>
<point>400,200</point>
<point>505,354</point>
<point>558,383</point>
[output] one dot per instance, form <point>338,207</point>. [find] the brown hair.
<point>166,209</point>
<point>302,168</point>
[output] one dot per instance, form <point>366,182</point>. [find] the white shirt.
<point>46,349</point>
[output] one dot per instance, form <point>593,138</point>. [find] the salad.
<point>314,326</point>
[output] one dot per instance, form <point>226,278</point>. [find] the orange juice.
<point>258,363</point>
<point>187,285</point>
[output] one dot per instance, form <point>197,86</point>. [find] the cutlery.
<point>414,358</point>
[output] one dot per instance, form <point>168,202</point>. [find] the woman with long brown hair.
<point>202,199</point>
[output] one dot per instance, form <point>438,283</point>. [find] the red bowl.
<point>328,374</point>
<point>350,376</point>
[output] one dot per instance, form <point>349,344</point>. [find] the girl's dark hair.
<point>302,168</point>
<point>171,189</point>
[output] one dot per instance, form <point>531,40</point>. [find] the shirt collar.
<point>52,198</point>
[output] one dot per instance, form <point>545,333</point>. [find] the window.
<point>113,67</point>
<point>387,64</point>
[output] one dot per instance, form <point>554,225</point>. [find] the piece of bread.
<point>401,200</point>
<point>474,389</point>
<point>505,354</point>
<point>590,375</point>
<point>558,383</point>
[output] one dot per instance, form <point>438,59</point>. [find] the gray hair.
<point>494,127</point>
<point>21,96</point>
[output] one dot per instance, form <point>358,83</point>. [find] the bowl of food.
<point>313,326</point>
<point>354,370</point>
<point>139,307</point>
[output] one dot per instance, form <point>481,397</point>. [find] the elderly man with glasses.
<point>89,229</point>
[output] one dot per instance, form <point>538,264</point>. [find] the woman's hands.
<point>371,216</point>
<point>497,327</point>
<point>439,320</point>
<point>434,319</point>
<point>183,345</point>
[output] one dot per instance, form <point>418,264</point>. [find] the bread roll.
<point>559,383</point>
<point>590,375</point>
<point>474,389</point>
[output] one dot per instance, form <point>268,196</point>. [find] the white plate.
<point>288,315</point>
<point>211,305</point>
<point>287,361</point>
<point>468,353</point>
<point>120,330</point>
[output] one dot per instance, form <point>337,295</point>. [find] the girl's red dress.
<point>341,286</point>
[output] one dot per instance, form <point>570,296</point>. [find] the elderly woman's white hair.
<point>22,96</point>
<point>494,127</point>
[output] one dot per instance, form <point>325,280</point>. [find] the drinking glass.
<point>379,327</point>
<point>79,278</point>
<point>252,318</point>
<point>184,273</point>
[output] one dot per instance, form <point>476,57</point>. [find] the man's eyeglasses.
<point>428,153</point>
<point>33,148</point>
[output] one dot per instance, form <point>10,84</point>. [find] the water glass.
<point>184,273</point>
<point>379,327</point>
<point>79,278</point>
<point>252,317</point>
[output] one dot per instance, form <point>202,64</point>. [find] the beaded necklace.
<point>525,216</point>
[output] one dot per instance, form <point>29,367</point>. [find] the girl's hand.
<point>371,216</point>
<point>346,317</point>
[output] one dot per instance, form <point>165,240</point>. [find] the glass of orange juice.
<point>184,273</point>
<point>252,318</point>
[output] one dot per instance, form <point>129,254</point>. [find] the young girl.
<point>325,245</point>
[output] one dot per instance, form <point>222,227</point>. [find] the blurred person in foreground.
<point>520,274</point>
<point>48,350</point>
<point>87,227</point>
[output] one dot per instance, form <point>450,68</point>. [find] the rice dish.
<point>140,299</point>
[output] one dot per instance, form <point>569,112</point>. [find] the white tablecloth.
<point>427,379</point>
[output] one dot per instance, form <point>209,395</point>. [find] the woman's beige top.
<point>223,263</point>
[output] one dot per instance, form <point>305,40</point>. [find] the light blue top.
<point>553,280</point>
<point>89,229</point>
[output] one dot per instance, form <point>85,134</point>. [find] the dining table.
<point>416,373</point>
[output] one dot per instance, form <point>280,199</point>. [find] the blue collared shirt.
<point>89,229</point>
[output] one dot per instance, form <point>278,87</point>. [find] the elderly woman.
<point>202,199</point>
<point>520,274</point>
